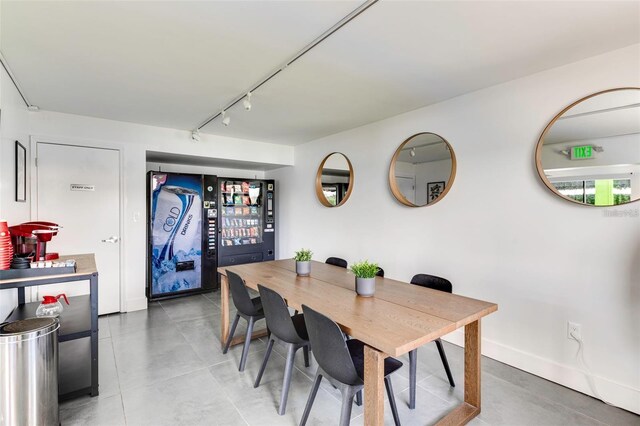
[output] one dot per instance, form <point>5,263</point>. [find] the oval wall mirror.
<point>589,153</point>
<point>334,180</point>
<point>422,170</point>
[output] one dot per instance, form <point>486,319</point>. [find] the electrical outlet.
<point>574,331</point>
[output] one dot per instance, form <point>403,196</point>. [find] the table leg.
<point>471,406</point>
<point>224,310</point>
<point>93,297</point>
<point>472,367</point>
<point>373,386</point>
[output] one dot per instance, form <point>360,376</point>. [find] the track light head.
<point>195,135</point>
<point>247,102</point>
<point>33,108</point>
<point>225,118</point>
<point>412,152</point>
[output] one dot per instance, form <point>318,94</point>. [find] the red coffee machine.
<point>30,239</point>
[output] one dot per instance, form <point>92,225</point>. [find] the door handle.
<point>112,239</point>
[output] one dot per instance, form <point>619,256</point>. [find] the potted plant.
<point>365,273</point>
<point>303,262</point>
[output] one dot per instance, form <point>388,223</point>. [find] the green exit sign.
<point>581,152</point>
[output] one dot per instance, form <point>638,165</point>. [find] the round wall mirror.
<point>590,152</point>
<point>334,180</point>
<point>422,170</point>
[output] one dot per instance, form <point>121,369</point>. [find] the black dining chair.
<point>247,308</point>
<point>435,283</point>
<point>286,329</point>
<point>342,364</point>
<point>336,261</point>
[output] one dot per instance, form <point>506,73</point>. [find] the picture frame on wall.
<point>434,190</point>
<point>21,173</point>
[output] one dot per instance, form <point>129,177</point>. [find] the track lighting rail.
<point>344,21</point>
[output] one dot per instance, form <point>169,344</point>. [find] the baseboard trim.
<point>135,304</point>
<point>618,394</point>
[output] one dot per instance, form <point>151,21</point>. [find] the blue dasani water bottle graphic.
<point>176,239</point>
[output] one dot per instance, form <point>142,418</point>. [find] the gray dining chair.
<point>286,329</point>
<point>342,364</point>
<point>435,283</point>
<point>247,308</point>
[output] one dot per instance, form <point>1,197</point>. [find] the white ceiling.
<point>173,64</point>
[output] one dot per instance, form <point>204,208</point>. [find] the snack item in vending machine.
<point>238,211</point>
<point>237,188</point>
<point>246,211</point>
<point>245,187</point>
<point>245,200</point>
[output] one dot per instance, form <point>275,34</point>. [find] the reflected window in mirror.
<point>334,180</point>
<point>590,152</point>
<point>422,170</point>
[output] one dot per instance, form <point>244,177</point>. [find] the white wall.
<point>14,124</point>
<point>206,170</point>
<point>500,234</point>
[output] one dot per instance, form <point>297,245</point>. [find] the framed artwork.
<point>434,190</point>
<point>21,173</point>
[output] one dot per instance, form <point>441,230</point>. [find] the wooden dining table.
<point>397,319</point>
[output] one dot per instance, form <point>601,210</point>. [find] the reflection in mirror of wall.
<point>422,170</point>
<point>590,152</point>
<point>334,180</point>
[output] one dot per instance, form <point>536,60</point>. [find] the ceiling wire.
<point>5,65</point>
<point>344,21</point>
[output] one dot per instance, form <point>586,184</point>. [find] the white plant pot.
<point>365,287</point>
<point>303,268</point>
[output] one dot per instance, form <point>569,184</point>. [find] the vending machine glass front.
<point>176,227</point>
<point>242,212</point>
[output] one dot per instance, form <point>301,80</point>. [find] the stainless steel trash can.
<point>29,372</point>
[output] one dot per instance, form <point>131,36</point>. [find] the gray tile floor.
<point>164,366</point>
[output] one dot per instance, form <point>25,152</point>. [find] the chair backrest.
<point>336,261</point>
<point>277,316</point>
<point>380,272</point>
<point>433,282</point>
<point>329,347</point>
<point>240,294</point>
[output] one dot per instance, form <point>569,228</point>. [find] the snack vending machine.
<point>247,221</point>
<point>182,217</point>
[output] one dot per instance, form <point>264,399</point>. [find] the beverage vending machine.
<point>200,222</point>
<point>182,254</point>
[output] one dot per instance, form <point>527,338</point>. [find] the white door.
<point>407,185</point>
<point>79,189</point>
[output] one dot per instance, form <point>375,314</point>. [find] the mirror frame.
<point>392,173</point>
<point>320,193</point>
<point>538,153</point>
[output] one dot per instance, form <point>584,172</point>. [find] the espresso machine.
<point>30,239</point>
